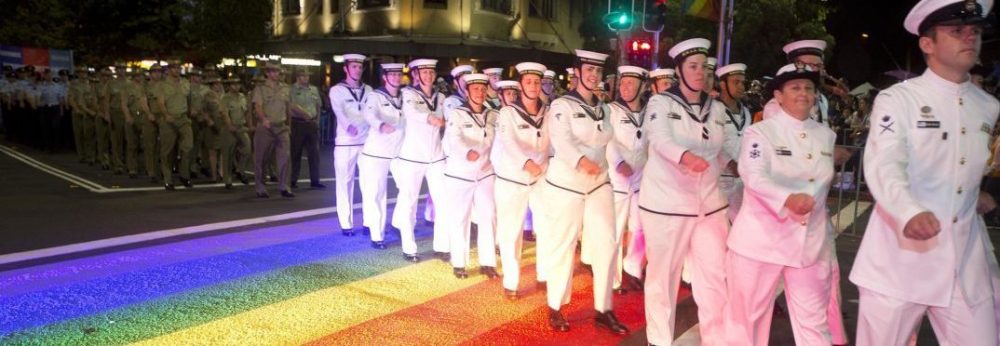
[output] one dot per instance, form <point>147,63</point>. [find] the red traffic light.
<point>640,46</point>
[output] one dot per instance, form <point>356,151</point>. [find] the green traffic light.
<point>623,19</point>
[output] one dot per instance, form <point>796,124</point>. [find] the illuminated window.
<point>542,9</point>
<point>435,4</point>
<point>370,4</point>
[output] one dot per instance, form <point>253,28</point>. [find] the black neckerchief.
<point>743,112</point>
<point>432,103</point>
<point>396,102</point>
<point>596,113</point>
<point>527,117</point>
<point>465,107</point>
<point>632,116</point>
<point>705,102</point>
<point>357,97</point>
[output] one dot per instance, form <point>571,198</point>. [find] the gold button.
<point>963,130</point>
<point>959,190</point>
<point>802,135</point>
<point>809,156</point>
<point>962,161</point>
<point>954,219</point>
<point>811,180</point>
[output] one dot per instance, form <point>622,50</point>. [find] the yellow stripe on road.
<point>317,314</point>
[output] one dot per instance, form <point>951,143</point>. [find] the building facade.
<point>481,32</point>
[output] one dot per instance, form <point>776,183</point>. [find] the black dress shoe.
<point>262,195</point>
<point>187,183</point>
<point>243,179</point>
<point>154,180</point>
<point>460,273</point>
<point>490,272</point>
<point>632,283</point>
<point>412,258</point>
<point>347,232</point>
<point>229,186</point>
<point>132,175</point>
<point>118,171</point>
<point>317,186</point>
<point>609,321</point>
<point>510,294</point>
<point>378,245</point>
<point>287,194</point>
<point>169,187</point>
<point>274,179</point>
<point>443,256</point>
<point>557,322</point>
<point>529,235</point>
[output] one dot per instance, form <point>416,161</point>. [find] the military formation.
<point>654,177</point>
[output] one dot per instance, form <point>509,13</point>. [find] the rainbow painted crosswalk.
<point>300,283</point>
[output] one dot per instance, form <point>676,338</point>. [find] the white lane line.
<point>148,236</point>
<point>77,180</point>
<point>196,186</point>
<point>691,337</point>
<point>846,216</point>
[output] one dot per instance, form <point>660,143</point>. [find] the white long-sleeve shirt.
<point>421,140</point>
<point>469,131</point>
<point>521,137</point>
<point>382,108</point>
<point>578,130</point>
<point>348,107</point>
<point>927,151</point>
<point>628,145</point>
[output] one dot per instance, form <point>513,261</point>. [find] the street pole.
<point>720,52</point>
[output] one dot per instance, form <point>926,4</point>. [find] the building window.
<point>370,4</point>
<point>436,4</point>
<point>498,6</point>
<point>542,9</point>
<point>291,7</point>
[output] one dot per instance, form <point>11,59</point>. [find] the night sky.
<point>887,47</point>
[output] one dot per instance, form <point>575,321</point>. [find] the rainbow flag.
<point>707,9</point>
<point>299,283</point>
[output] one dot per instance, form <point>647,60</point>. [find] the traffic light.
<point>640,52</point>
<point>618,21</point>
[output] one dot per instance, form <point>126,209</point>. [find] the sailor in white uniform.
<point>509,91</point>
<point>732,78</point>
<point>384,114</point>
<point>661,80</point>
<point>469,179</point>
<point>681,208</point>
<point>578,195</point>
<point>496,75</point>
<point>780,233</point>
<point>626,160</point>
<point>420,156</point>
<point>520,159</point>
<point>924,250</point>
<point>347,99</point>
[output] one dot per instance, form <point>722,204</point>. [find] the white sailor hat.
<point>354,58</point>
<point>508,84</point>
<point>731,69</point>
<point>792,72</point>
<point>661,73</point>
<point>569,71</point>
<point>632,71</point>
<point>392,67</point>
<point>805,47</point>
<point>689,47</point>
<point>929,13</point>
<point>530,68</point>
<point>588,57</point>
<point>549,74</point>
<point>423,63</point>
<point>493,70</point>
<point>711,62</point>
<point>475,78</point>
<point>461,69</point>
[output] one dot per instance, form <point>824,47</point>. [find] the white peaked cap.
<point>731,69</point>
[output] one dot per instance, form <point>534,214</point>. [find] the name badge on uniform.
<point>928,124</point>
<point>674,116</point>
<point>783,152</point>
<point>986,128</point>
<point>349,101</point>
<point>420,102</point>
<point>467,125</point>
<point>522,126</point>
<point>579,115</point>
<point>626,121</point>
<point>826,154</point>
<point>720,123</point>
